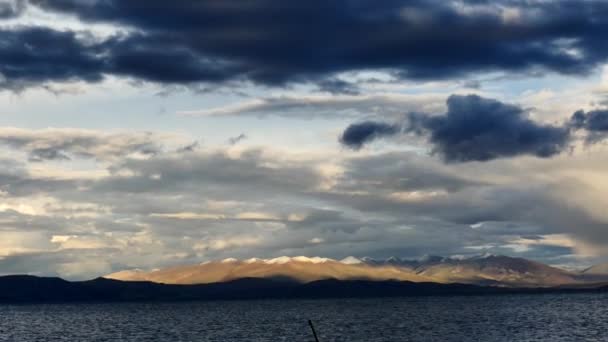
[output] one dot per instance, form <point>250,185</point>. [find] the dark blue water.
<point>579,317</point>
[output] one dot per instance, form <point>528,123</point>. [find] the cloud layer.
<point>64,144</point>
<point>177,207</point>
<point>272,43</point>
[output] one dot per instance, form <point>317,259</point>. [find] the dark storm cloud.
<point>336,86</point>
<point>473,129</point>
<point>32,56</point>
<point>358,134</point>
<point>277,43</point>
<point>479,129</point>
<point>595,122</point>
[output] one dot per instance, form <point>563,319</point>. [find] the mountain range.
<point>303,277</point>
<point>493,270</point>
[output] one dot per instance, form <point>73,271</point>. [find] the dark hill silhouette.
<point>30,289</point>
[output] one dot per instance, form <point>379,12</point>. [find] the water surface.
<point>555,318</point>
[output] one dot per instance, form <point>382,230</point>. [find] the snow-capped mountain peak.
<point>351,260</point>
<point>278,260</point>
<point>229,261</point>
<point>253,260</point>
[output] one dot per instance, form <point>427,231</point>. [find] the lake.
<point>554,317</point>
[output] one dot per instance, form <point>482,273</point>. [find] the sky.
<point>149,134</point>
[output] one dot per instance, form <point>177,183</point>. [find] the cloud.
<point>324,106</point>
<point>64,144</point>
<point>217,173</point>
<point>237,139</point>
<point>191,147</point>
<point>472,129</point>
<point>477,204</point>
<point>11,8</point>
<point>358,134</point>
<point>274,44</point>
<point>391,172</point>
<point>479,129</point>
<point>47,153</point>
<point>33,56</point>
<point>594,122</point>
<point>229,243</point>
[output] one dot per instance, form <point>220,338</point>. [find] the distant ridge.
<point>478,270</point>
<point>30,289</point>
